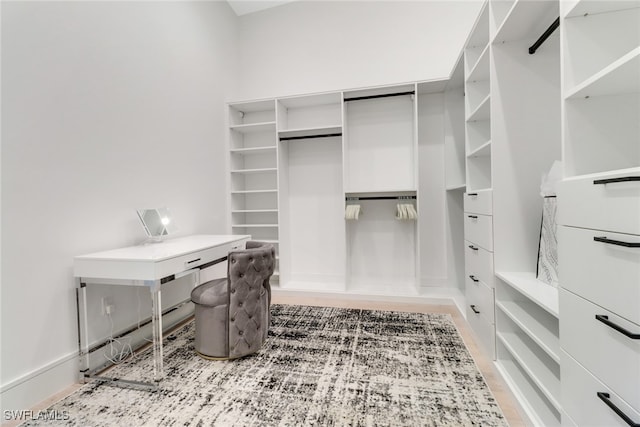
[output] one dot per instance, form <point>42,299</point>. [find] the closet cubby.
<point>477,44</point>
<point>311,115</point>
<point>601,86</point>
<point>253,167</point>
<point>380,139</point>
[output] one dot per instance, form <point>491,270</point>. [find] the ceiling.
<point>243,7</point>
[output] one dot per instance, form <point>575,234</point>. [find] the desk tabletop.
<point>166,249</point>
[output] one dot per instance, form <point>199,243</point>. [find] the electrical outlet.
<point>107,306</point>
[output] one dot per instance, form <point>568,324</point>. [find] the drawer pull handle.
<point>614,180</point>
<point>193,260</point>
<point>472,194</point>
<point>473,307</point>
<point>616,242</point>
<point>605,319</point>
<point>473,216</point>
<point>605,397</point>
<point>472,277</point>
<point>473,247</point>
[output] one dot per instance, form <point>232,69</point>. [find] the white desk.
<point>150,265</point>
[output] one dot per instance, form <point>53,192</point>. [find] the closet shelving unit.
<point>381,163</point>
<point>601,148</point>
<point>310,175</point>
<point>477,90</point>
<point>253,166</point>
<point>525,141</point>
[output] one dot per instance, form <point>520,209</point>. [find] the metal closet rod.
<point>381,198</point>
<point>544,36</point>
<point>384,95</point>
<point>326,135</point>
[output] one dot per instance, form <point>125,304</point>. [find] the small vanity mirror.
<point>157,222</point>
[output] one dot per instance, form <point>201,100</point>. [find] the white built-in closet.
<point>515,103</point>
<point>297,163</point>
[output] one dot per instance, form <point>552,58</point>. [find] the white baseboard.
<point>32,388</point>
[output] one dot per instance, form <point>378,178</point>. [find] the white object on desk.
<point>148,265</point>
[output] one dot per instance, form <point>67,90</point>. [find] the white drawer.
<point>605,274</point>
<point>484,332</point>
<point>478,229</point>
<point>581,402</point>
<point>479,202</point>
<point>613,207</point>
<point>480,296</point>
<point>479,263</point>
<point>608,354</point>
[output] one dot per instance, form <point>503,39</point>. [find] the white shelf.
<point>538,329</point>
<point>309,132</point>
<point>254,127</point>
<point>539,373</point>
<point>546,296</point>
<point>253,150</point>
<point>482,151</point>
<point>590,7</point>
<point>523,20</point>
<point>255,211</point>
<point>251,171</point>
<point>253,191</point>
<point>254,225</point>
<point>536,406</point>
<point>456,187</point>
<point>482,111</point>
<point>480,70</point>
<point>622,76</point>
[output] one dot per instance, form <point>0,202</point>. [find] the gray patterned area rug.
<point>319,367</point>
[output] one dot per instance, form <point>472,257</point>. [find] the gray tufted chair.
<point>232,314</point>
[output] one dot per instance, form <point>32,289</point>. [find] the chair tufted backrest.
<point>249,293</point>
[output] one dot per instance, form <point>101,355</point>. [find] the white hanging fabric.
<point>352,212</point>
<point>406,211</point>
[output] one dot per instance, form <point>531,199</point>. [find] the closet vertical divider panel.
<point>455,176</point>
<point>311,198</point>
<point>380,166</point>
<point>525,140</point>
<point>253,166</point>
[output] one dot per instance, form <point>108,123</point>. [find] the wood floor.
<point>503,396</point>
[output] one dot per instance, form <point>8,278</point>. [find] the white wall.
<point>107,107</point>
<point>315,46</point>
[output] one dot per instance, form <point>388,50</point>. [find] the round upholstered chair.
<point>232,314</point>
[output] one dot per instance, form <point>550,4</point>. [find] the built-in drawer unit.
<point>588,402</point>
<point>478,229</point>
<point>480,298</point>
<point>604,343</point>
<point>479,263</point>
<point>605,201</point>
<point>483,328</point>
<point>602,267</point>
<point>479,202</point>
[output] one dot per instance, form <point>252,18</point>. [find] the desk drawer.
<point>605,274</point>
<point>479,263</point>
<point>189,261</point>
<point>611,356</point>
<point>581,402</point>
<point>478,229</point>
<point>479,202</point>
<point>614,206</point>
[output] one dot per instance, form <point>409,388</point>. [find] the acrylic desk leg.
<point>83,339</point>
<point>156,326</point>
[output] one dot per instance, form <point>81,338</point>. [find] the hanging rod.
<point>544,36</point>
<point>381,198</point>
<point>325,135</point>
<point>384,95</point>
